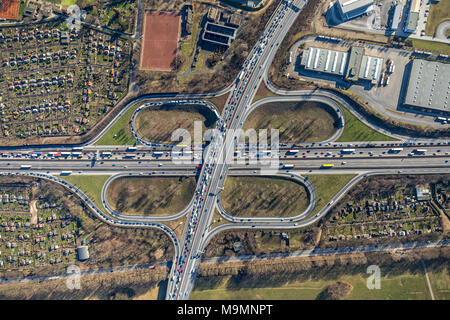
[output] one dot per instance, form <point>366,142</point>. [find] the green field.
<point>326,186</point>
<point>400,287</point>
<point>439,12</point>
<point>90,185</point>
<point>431,46</point>
<point>68,2</point>
<point>263,197</point>
<point>356,130</point>
<point>120,132</point>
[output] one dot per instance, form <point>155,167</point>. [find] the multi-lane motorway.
<point>407,156</point>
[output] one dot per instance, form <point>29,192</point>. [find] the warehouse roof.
<point>350,5</point>
<point>415,5</point>
<point>370,68</point>
<point>354,63</point>
<point>429,85</point>
<point>396,16</point>
<point>325,60</point>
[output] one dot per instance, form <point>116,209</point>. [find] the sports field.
<point>161,34</point>
<point>9,9</point>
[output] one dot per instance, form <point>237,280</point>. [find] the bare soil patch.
<point>161,34</point>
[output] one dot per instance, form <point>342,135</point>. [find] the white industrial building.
<point>363,67</point>
<point>396,16</point>
<point>350,9</point>
<point>370,68</point>
<point>428,87</point>
<point>324,60</point>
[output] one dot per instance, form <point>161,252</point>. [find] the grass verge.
<point>405,286</point>
<point>356,130</point>
<point>90,185</point>
<point>120,132</point>
<point>326,186</point>
<point>431,46</point>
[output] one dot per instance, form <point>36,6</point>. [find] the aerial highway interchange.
<point>403,155</point>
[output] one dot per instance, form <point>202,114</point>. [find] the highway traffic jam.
<point>215,152</point>
<point>243,154</point>
<point>151,155</point>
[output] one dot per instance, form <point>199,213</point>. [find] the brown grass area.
<point>158,125</point>
<point>151,196</point>
<point>122,285</point>
<point>161,33</point>
<point>220,101</point>
<point>336,291</point>
<point>296,121</point>
<point>176,226</point>
<point>263,197</point>
<point>263,92</point>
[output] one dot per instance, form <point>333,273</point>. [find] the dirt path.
<point>33,211</point>
<point>428,280</point>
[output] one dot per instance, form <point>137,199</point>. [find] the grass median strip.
<point>120,132</point>
<point>90,185</point>
<point>356,130</point>
<point>326,186</point>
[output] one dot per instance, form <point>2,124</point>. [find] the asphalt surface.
<point>365,160</point>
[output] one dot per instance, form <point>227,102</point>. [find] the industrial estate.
<point>216,150</point>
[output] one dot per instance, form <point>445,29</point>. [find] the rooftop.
<point>350,5</point>
<point>396,16</point>
<point>429,85</point>
<point>370,68</point>
<point>324,60</point>
<point>354,63</point>
<point>422,193</point>
<point>413,18</point>
<point>415,5</point>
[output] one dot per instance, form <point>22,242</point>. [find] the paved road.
<point>241,258</point>
<point>157,96</point>
<point>216,160</point>
<point>288,224</point>
<point>326,252</point>
<point>337,97</point>
<point>215,167</point>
